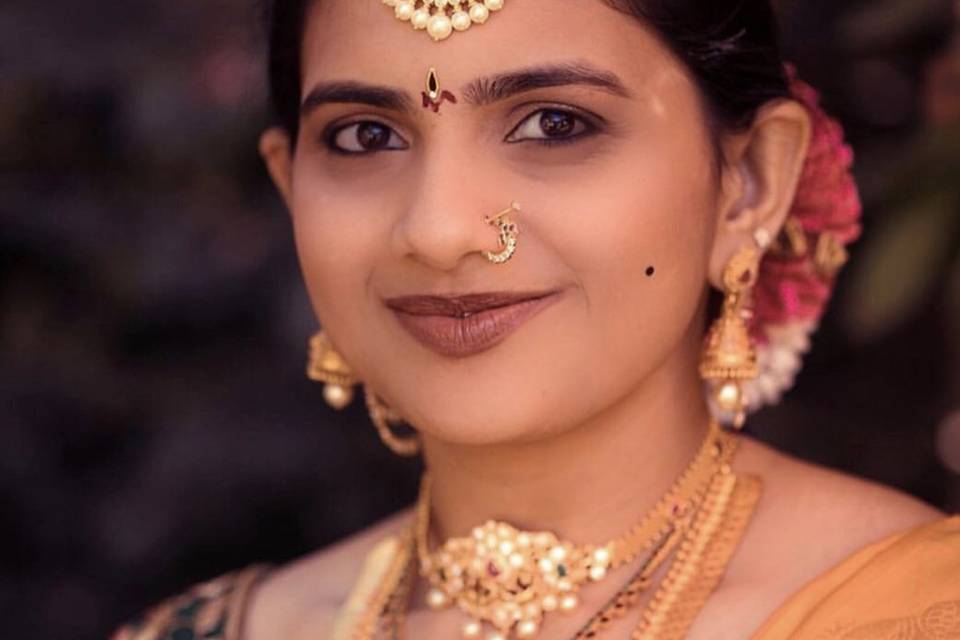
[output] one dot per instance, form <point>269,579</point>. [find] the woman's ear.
<point>277,153</point>
<point>762,167</point>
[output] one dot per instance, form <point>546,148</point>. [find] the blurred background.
<point>156,427</point>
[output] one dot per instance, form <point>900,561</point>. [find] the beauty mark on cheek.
<point>650,271</point>
<point>434,96</point>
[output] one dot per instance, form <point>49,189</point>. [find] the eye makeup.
<point>568,125</point>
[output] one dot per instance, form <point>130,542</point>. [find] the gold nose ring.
<point>507,232</point>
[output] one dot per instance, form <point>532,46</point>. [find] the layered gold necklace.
<point>507,581</point>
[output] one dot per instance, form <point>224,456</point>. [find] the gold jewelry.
<point>829,253</point>
<point>509,578</point>
<point>702,558</point>
<point>729,356</point>
<point>434,96</point>
<point>440,18</point>
<point>382,574</point>
<point>433,85</point>
<point>382,417</point>
<point>507,232</point>
<point>829,256</point>
<point>325,364</point>
<point>792,241</point>
<point>629,595</point>
<point>710,535</point>
<point>394,613</point>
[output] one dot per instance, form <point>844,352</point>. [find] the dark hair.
<point>730,47</point>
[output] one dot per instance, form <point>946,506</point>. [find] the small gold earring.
<point>507,231</point>
<point>729,356</point>
<point>326,365</point>
<point>792,241</point>
<point>383,417</point>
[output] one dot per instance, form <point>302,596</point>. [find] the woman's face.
<point>614,173</point>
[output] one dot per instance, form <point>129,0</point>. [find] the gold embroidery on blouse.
<point>210,610</point>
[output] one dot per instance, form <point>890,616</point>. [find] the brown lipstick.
<point>464,325</point>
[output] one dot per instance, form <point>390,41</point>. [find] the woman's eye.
<point>550,126</point>
<point>365,137</point>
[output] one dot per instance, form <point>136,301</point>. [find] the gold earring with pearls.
<point>729,357</point>
<point>326,365</point>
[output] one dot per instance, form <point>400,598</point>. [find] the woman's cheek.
<point>642,257</point>
<point>332,240</point>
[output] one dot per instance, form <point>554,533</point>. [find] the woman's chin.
<point>481,428</point>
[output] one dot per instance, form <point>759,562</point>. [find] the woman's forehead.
<point>362,39</point>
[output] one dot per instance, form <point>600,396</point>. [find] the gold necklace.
<point>707,538</point>
<point>702,557</point>
<point>628,596</point>
<point>705,547</point>
<point>394,613</point>
<point>509,579</point>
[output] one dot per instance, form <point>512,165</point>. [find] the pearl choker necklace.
<point>509,579</point>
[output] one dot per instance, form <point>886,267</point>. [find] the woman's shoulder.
<point>261,601</point>
<point>906,583</point>
<point>811,517</point>
<point>812,520</point>
<point>212,609</point>
<point>301,599</point>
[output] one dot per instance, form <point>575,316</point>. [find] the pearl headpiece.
<point>440,18</point>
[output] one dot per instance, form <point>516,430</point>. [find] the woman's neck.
<point>588,484</point>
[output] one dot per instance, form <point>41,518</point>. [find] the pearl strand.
<point>440,18</point>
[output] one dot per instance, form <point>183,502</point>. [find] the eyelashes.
<point>547,126</point>
<point>553,126</point>
<point>361,138</point>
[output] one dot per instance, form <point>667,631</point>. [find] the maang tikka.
<point>440,18</point>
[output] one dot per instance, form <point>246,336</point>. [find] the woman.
<point>510,215</point>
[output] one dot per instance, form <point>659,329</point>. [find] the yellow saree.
<point>905,587</point>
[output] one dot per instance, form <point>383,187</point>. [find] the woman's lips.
<point>461,326</point>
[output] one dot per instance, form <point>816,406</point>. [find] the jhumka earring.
<point>730,357</point>
<point>384,418</point>
<point>326,365</point>
<point>507,232</point>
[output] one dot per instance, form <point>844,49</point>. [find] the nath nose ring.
<point>507,232</point>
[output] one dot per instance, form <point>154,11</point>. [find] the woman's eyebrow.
<point>355,92</point>
<point>490,89</point>
<point>479,92</point>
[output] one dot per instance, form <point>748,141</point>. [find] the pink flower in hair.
<point>795,287</point>
<point>797,276</point>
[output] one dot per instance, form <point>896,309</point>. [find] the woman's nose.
<point>444,223</point>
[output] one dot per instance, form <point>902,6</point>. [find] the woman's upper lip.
<point>461,306</point>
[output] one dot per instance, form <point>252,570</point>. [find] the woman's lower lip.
<point>462,337</point>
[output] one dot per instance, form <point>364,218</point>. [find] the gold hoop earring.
<point>383,417</point>
<point>507,231</point>
<point>729,356</point>
<point>326,365</point>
